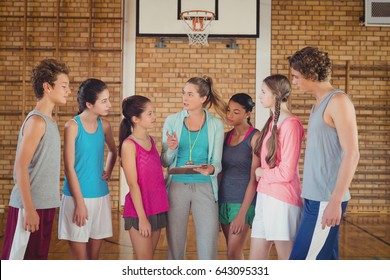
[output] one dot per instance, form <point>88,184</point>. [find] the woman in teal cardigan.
<point>194,138</point>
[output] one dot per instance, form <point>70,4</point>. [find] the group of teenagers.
<point>241,180</point>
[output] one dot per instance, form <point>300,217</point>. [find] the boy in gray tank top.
<point>331,156</point>
<point>36,194</point>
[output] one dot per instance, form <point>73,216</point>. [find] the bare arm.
<point>169,144</point>
<point>340,114</point>
<point>80,214</point>
<point>128,154</point>
<point>112,154</point>
<point>33,131</point>
<point>220,174</point>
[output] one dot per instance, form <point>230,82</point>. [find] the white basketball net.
<point>198,39</point>
<point>197,25</point>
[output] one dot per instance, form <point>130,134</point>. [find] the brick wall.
<point>334,26</point>
<point>162,73</point>
<point>79,33</point>
<point>92,47</point>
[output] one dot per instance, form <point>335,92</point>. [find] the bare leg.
<point>283,248</point>
<point>78,250</point>
<point>235,242</point>
<point>93,248</point>
<point>260,249</point>
<point>225,230</point>
<point>143,246</point>
<point>155,238</point>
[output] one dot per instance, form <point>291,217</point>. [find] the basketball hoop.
<point>197,23</point>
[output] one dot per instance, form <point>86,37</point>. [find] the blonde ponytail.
<point>206,88</point>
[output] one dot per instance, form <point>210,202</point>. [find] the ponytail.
<point>213,98</point>
<point>132,106</point>
<point>206,88</point>
<point>125,130</point>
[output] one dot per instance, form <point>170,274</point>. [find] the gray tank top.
<point>323,156</point>
<point>236,168</point>
<point>44,168</point>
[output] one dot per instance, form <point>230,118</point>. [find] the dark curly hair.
<point>312,63</point>
<point>46,71</point>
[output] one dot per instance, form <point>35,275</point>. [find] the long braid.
<point>272,143</point>
<point>260,140</point>
<point>281,89</point>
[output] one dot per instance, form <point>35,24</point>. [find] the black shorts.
<point>157,221</point>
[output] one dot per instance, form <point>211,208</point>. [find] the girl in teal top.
<point>194,137</point>
<point>85,212</point>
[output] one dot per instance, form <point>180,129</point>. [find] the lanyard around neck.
<point>192,145</point>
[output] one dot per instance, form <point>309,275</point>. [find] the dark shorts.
<point>29,246</point>
<point>157,221</point>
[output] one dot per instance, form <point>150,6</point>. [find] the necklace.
<point>192,145</point>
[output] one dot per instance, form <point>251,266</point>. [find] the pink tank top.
<point>151,183</point>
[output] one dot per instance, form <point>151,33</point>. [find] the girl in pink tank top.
<point>146,204</point>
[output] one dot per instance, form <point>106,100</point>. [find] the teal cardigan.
<point>174,123</point>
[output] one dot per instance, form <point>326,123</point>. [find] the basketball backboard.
<point>233,18</point>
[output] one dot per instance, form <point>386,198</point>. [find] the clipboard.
<point>186,169</point>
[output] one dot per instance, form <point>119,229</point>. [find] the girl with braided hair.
<point>279,205</point>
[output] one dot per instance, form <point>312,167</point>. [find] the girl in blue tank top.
<point>85,212</point>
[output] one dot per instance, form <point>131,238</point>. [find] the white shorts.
<point>98,226</point>
<point>275,219</point>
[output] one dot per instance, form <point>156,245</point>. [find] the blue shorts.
<point>312,242</point>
